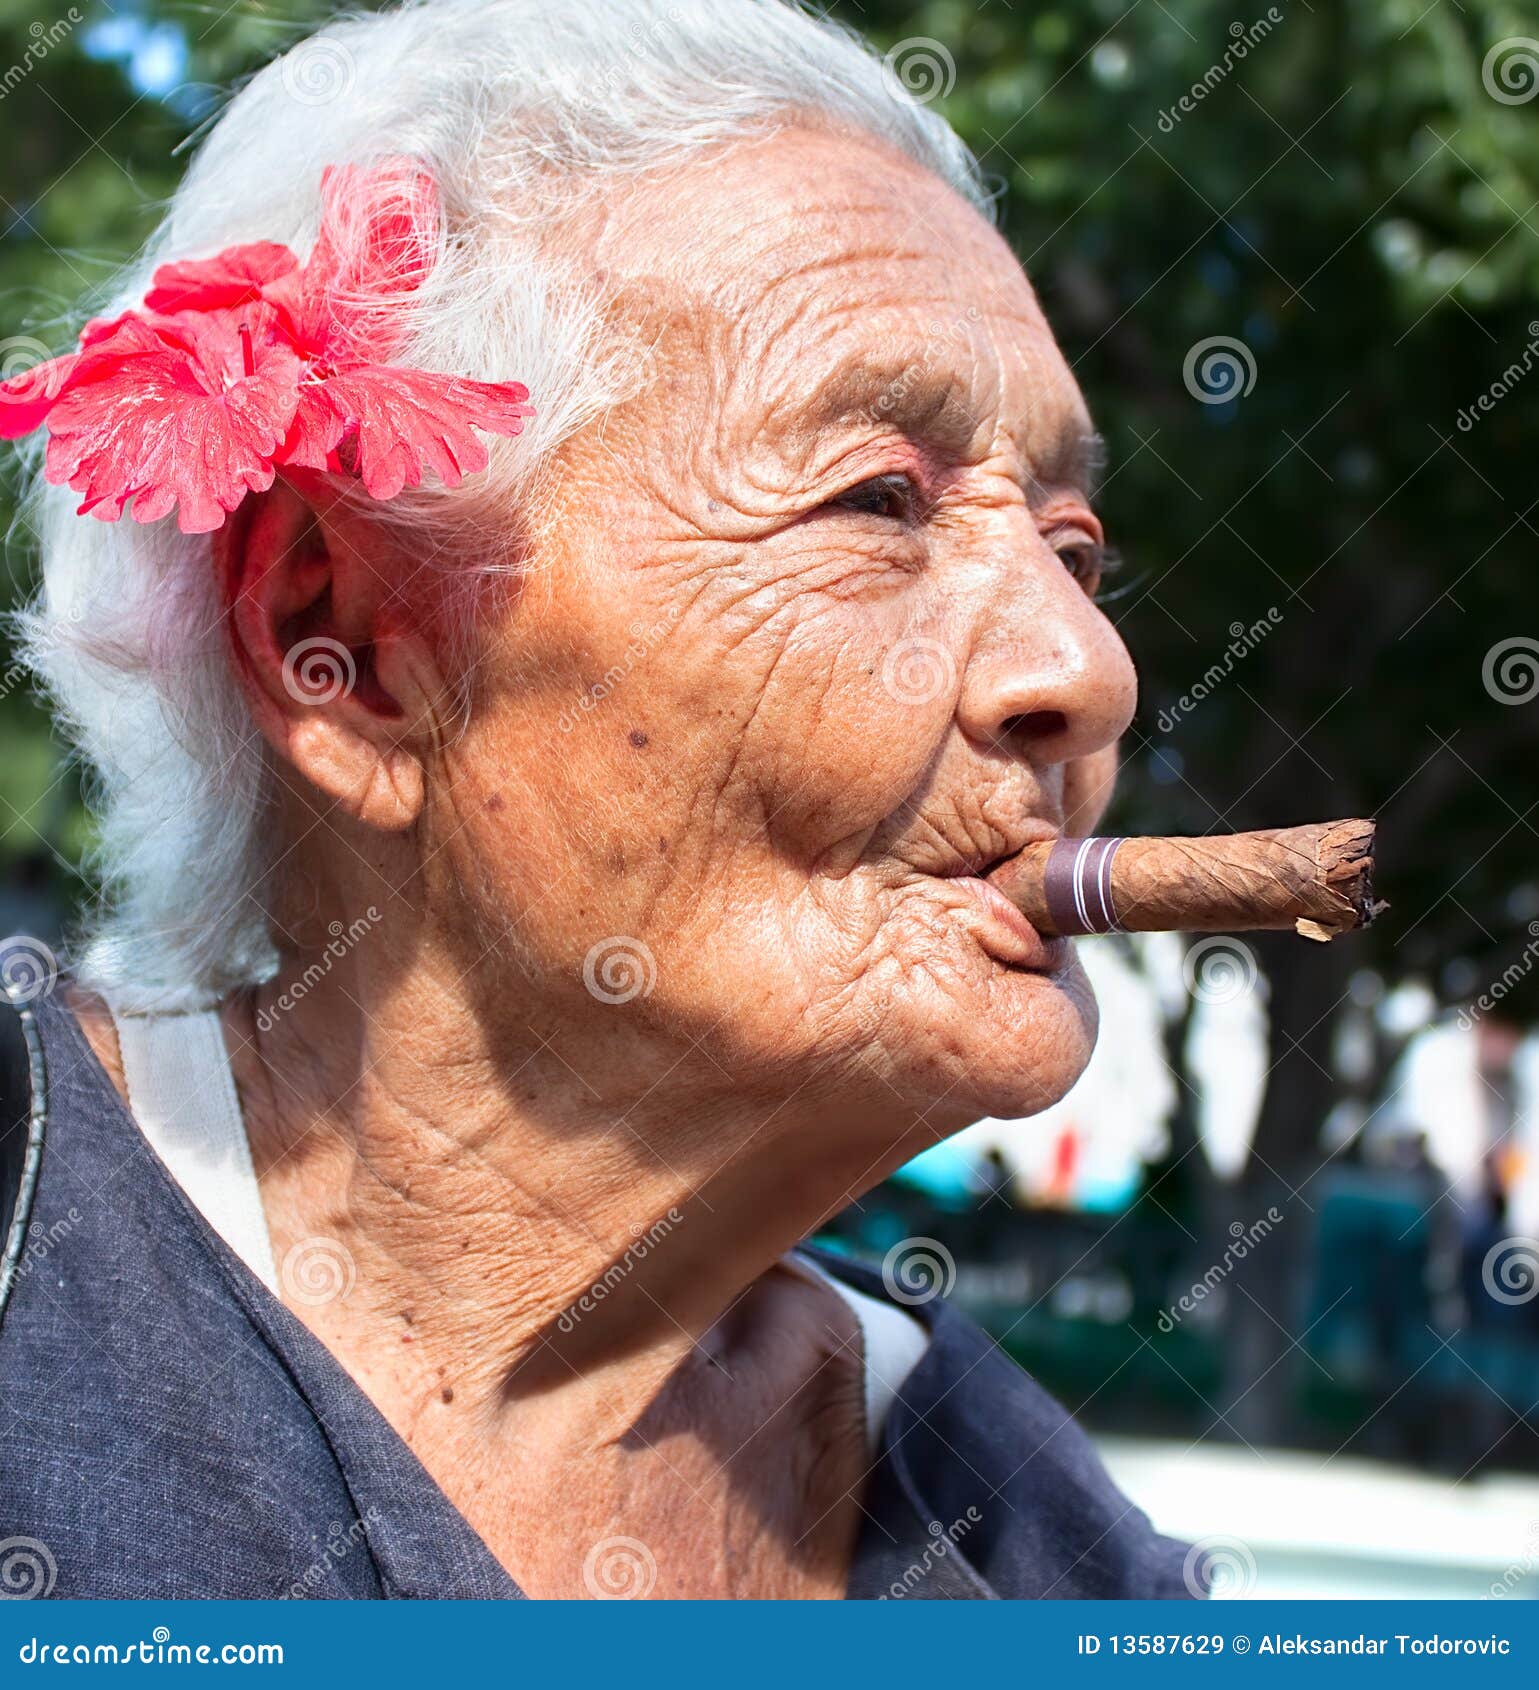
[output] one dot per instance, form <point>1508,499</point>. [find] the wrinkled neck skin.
<point>542,1204</point>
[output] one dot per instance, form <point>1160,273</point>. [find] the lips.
<point>1008,935</point>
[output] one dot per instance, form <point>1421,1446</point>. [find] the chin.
<point>1009,1049</point>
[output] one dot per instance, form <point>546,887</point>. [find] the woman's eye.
<point>883,495</point>
<point>1084,562</point>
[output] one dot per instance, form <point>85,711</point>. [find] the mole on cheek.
<point>637,738</point>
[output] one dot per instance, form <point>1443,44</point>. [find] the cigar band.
<point>1077,886</point>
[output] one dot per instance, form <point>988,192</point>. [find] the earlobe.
<point>311,629</point>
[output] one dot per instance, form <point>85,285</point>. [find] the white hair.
<point>521,109</point>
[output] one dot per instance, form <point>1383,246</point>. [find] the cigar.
<point>1317,880</point>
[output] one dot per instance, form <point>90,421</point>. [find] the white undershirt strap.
<point>182,1094</point>
<point>893,1340</point>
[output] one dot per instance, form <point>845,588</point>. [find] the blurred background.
<point>1278,1248</point>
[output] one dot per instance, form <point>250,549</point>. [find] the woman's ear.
<point>340,676</point>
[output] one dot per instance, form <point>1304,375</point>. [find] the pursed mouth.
<point>1006,934</point>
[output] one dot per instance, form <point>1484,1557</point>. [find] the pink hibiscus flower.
<point>240,364</point>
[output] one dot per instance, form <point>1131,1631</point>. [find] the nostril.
<point>1034,725</point>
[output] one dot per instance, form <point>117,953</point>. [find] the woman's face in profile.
<point>808,641</point>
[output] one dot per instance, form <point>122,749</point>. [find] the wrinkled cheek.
<point>852,756</point>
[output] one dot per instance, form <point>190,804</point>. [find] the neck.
<point>521,1207</point>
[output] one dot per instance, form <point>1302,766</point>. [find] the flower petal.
<point>315,431</point>
<point>239,275</point>
<point>379,239</point>
<point>143,422</point>
<point>408,421</point>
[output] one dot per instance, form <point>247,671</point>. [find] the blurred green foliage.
<point>1354,197</point>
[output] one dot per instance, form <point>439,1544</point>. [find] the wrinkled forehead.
<point>805,277</point>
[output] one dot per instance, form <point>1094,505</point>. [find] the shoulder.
<point>997,1465</point>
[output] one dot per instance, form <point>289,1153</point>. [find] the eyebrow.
<point>929,406</point>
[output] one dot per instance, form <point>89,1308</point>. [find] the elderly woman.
<point>549,874</point>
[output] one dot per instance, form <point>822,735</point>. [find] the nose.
<point>1049,678</point>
